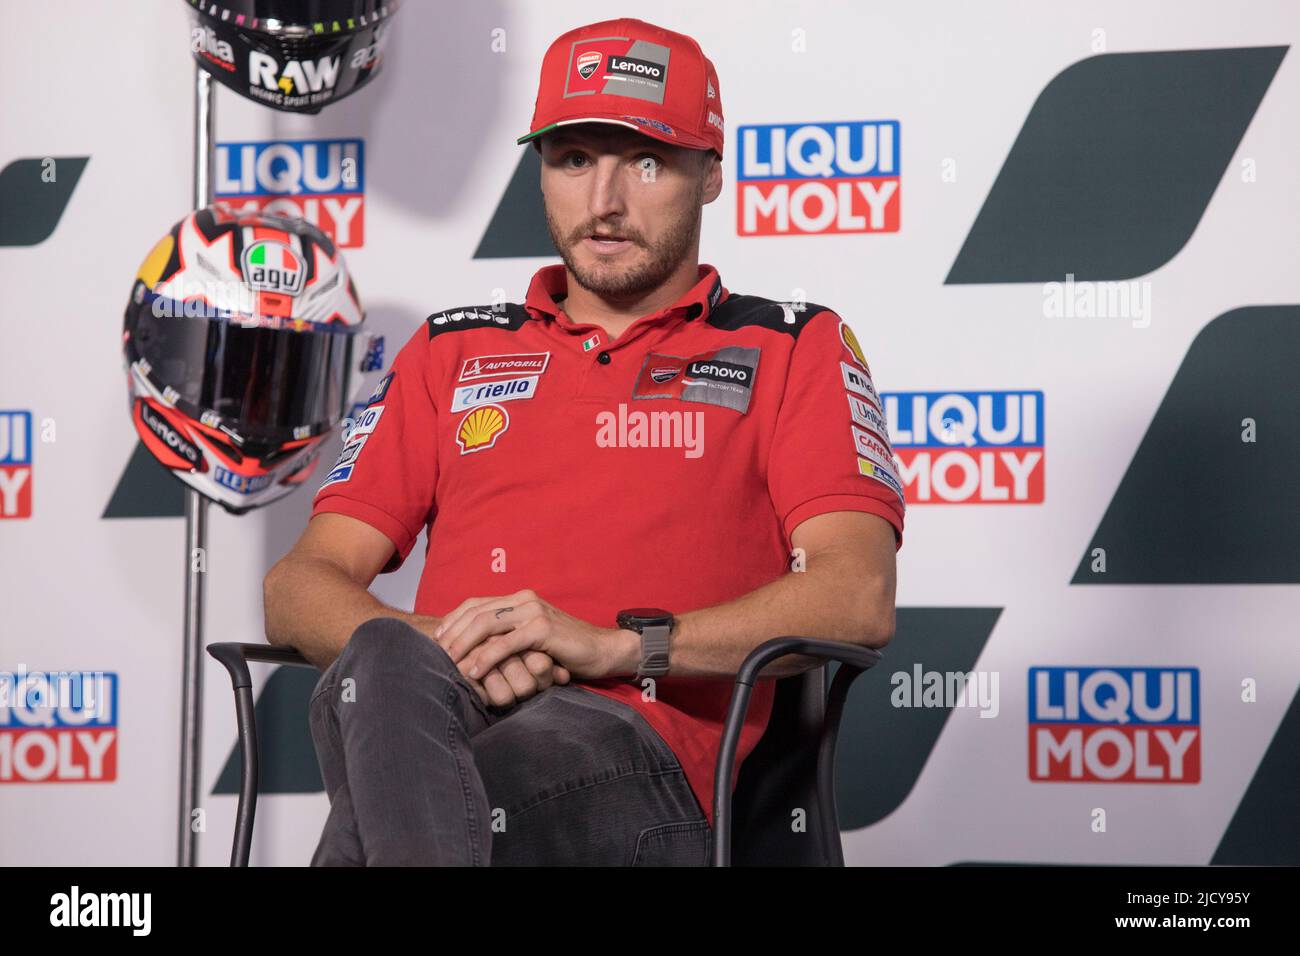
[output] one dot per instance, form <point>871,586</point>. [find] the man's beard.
<point>612,281</point>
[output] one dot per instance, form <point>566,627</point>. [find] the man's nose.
<point>607,197</point>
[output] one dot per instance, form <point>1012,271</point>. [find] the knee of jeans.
<point>388,640</point>
<point>394,651</point>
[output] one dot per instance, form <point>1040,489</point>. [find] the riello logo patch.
<point>1115,724</point>
<point>58,727</point>
<point>320,180</point>
<point>15,464</point>
<point>968,448</point>
<point>811,179</point>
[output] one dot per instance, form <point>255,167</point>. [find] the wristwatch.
<point>654,625</point>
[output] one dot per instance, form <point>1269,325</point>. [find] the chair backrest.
<point>779,777</point>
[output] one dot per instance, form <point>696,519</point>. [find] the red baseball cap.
<point>634,74</point>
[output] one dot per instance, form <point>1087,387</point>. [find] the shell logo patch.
<point>851,343</point>
<point>479,429</point>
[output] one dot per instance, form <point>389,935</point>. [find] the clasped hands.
<point>514,646</point>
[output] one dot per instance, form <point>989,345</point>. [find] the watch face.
<point>644,616</point>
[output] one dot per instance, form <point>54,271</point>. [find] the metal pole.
<point>196,535</point>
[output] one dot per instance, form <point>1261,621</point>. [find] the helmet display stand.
<point>184,407</point>
<point>196,535</point>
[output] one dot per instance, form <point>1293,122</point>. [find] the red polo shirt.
<point>666,468</point>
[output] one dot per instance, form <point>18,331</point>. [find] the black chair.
<point>791,771</point>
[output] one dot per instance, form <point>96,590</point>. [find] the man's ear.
<point>712,173</point>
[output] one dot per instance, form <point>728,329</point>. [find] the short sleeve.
<point>830,450</point>
<point>388,468</point>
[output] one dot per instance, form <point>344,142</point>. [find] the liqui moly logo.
<point>968,447</point>
<point>1115,724</point>
<point>15,464</point>
<point>58,726</point>
<point>320,180</point>
<point>818,178</point>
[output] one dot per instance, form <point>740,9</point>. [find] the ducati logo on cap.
<point>587,64</point>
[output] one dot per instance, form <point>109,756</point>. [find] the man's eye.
<point>571,156</point>
<point>649,162</point>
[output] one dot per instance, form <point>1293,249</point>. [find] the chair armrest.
<point>235,657</point>
<point>855,659</point>
<point>778,647</point>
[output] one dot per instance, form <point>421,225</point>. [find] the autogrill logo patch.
<point>489,366</point>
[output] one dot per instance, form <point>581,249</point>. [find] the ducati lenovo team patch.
<point>723,377</point>
<point>636,69</point>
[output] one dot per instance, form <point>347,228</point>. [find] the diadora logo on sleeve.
<point>58,726</point>
<point>490,366</point>
<point>969,447</point>
<point>818,178</point>
<point>1114,724</point>
<point>470,316</point>
<point>724,377</point>
<point>15,464</point>
<point>320,180</point>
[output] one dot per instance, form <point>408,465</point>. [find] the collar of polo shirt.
<point>550,285</point>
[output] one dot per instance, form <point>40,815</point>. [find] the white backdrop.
<point>439,124</point>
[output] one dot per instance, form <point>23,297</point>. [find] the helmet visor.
<point>262,382</point>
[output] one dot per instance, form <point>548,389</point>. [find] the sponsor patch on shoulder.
<point>885,475</point>
<point>868,416</point>
<point>381,389</point>
<point>855,348</point>
<point>860,382</point>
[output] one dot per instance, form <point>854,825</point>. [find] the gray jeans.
<point>420,772</point>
